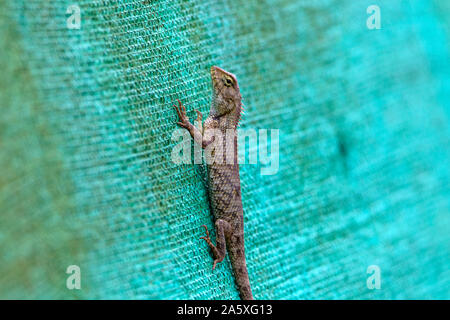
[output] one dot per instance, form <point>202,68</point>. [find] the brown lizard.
<point>223,172</point>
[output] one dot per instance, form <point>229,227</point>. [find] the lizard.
<point>224,187</point>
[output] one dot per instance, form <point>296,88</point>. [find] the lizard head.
<point>226,95</point>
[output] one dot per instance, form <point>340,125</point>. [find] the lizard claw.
<point>181,111</point>
<point>206,238</point>
<point>206,229</point>
<point>217,256</point>
<point>181,107</point>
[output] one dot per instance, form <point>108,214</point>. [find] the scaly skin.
<point>223,174</point>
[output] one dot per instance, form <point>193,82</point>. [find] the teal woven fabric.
<point>85,137</point>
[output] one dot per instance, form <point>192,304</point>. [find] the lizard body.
<point>223,174</point>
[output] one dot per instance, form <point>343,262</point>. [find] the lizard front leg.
<point>196,133</point>
<point>219,250</point>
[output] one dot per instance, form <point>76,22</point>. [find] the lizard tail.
<point>237,258</point>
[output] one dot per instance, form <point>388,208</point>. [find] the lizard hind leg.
<point>218,250</point>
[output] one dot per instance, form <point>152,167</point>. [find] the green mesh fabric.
<point>85,137</point>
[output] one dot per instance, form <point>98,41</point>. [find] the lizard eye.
<point>228,82</point>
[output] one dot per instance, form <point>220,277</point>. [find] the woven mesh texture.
<point>85,137</point>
